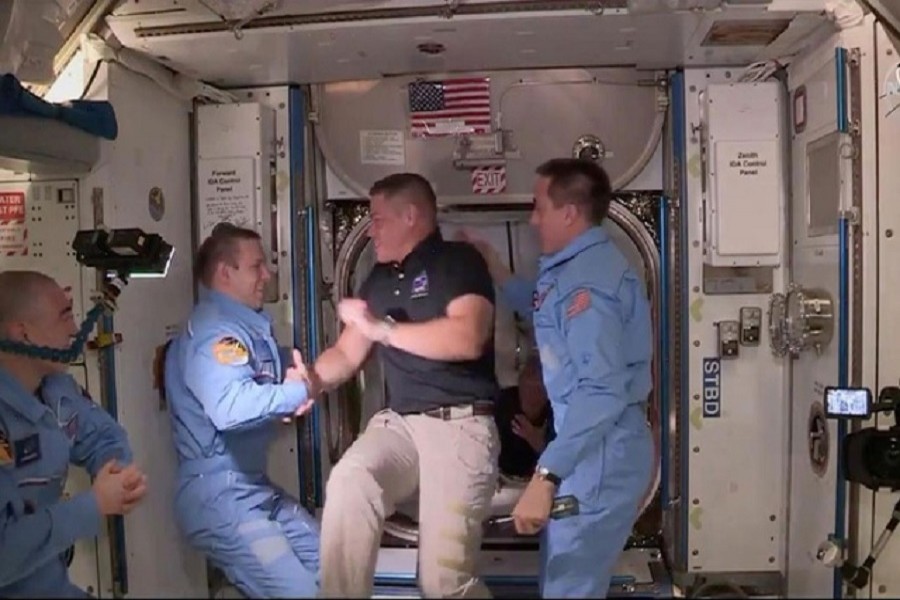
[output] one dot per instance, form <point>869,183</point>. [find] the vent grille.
<point>595,7</point>
<point>745,32</point>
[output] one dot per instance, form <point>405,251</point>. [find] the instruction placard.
<point>747,180</point>
<point>748,159</point>
<point>227,193</point>
<point>13,231</point>
<point>382,147</point>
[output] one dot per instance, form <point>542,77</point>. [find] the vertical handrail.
<point>663,349</point>
<point>843,356</point>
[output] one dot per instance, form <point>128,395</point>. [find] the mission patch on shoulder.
<point>230,351</point>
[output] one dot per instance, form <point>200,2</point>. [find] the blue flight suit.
<point>593,328</point>
<point>39,438</point>
<point>224,379</point>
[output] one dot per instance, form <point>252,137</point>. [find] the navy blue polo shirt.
<point>416,290</point>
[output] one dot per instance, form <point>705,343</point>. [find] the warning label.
<point>13,232</point>
<point>12,206</point>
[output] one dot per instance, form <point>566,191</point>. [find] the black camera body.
<point>871,457</point>
<point>129,252</point>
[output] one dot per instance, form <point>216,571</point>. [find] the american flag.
<point>451,106</point>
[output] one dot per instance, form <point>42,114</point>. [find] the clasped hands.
<point>355,312</point>
<point>118,488</point>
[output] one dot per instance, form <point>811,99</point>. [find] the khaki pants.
<point>457,460</point>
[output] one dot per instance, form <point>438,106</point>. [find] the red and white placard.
<point>488,180</point>
<point>13,231</point>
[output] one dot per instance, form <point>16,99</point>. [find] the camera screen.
<point>847,402</point>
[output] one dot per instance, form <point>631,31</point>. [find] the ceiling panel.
<point>363,49</point>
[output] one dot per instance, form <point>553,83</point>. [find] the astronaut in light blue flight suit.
<point>46,423</point>
<point>593,328</point>
<point>229,385</point>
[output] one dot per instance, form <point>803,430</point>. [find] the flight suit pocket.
<point>264,364</point>
<point>588,481</point>
<point>552,351</point>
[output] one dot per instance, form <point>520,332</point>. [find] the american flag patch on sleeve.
<point>581,301</point>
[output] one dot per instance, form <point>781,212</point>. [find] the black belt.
<point>461,411</point>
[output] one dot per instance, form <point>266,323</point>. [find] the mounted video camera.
<point>120,254</point>
<point>871,456</point>
<point>128,252</point>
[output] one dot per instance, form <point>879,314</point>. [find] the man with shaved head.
<point>428,306</point>
<point>47,421</point>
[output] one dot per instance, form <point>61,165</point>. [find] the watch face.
<point>545,474</point>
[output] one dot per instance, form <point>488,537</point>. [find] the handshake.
<point>300,373</point>
<point>353,312</point>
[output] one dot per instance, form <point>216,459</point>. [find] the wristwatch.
<point>545,474</point>
<point>386,325</point>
